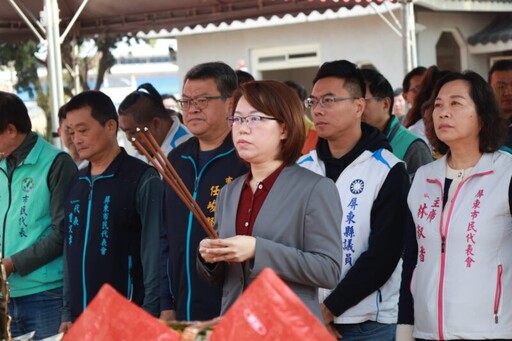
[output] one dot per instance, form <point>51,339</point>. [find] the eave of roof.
<point>120,17</point>
<point>466,5</point>
<point>497,36</point>
<point>273,21</point>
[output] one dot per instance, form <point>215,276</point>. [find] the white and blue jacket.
<point>373,189</point>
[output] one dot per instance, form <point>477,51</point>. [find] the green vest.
<point>400,138</point>
<point>26,218</point>
<point>506,149</point>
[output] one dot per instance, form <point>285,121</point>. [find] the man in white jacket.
<point>373,186</point>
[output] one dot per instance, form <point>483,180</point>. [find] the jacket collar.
<point>27,150</point>
<point>484,165</point>
<point>193,146</point>
<point>114,166</point>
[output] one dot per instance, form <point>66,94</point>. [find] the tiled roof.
<point>499,30</point>
<point>505,1</point>
<point>497,6</point>
<point>122,17</point>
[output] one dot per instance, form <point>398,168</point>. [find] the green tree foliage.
<point>25,64</point>
<point>22,55</point>
<point>101,60</point>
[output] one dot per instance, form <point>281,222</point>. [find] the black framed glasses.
<point>326,101</point>
<point>198,102</point>
<point>251,120</point>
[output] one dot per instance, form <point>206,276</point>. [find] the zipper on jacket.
<point>187,242</point>
<point>497,295</point>
<point>190,220</point>
<point>129,285</point>
<point>443,231</point>
<point>378,301</point>
<point>6,213</point>
<point>86,239</point>
<point>87,226</point>
<point>90,192</point>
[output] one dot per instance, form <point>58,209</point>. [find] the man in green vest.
<point>378,113</point>
<point>34,179</point>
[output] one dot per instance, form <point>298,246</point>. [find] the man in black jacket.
<point>205,162</point>
<point>113,214</point>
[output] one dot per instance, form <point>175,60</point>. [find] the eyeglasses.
<point>326,101</point>
<point>199,102</point>
<point>251,120</point>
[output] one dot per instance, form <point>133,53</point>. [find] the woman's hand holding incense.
<point>235,249</point>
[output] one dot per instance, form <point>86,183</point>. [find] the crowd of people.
<point>388,223</point>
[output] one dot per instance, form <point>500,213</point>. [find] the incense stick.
<point>152,151</point>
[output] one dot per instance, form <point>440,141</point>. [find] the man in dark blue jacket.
<point>205,162</point>
<point>113,214</point>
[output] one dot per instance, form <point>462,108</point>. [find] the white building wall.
<point>436,23</point>
<point>364,39</point>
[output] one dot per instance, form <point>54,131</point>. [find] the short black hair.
<point>13,111</point>
<point>349,72</point>
<point>62,114</point>
<point>500,65</point>
<point>379,86</point>
<point>299,88</point>
<point>417,71</point>
<point>144,104</point>
<point>243,77</point>
<point>398,92</point>
<point>102,107</point>
<point>224,76</point>
<point>167,96</point>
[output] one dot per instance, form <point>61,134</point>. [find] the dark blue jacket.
<point>103,233</point>
<point>182,289</point>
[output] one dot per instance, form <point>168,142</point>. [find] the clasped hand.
<point>235,249</point>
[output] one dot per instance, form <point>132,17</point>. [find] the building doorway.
<point>298,63</point>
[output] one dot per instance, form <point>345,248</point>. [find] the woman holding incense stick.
<point>279,215</point>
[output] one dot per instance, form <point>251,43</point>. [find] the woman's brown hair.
<point>278,100</point>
